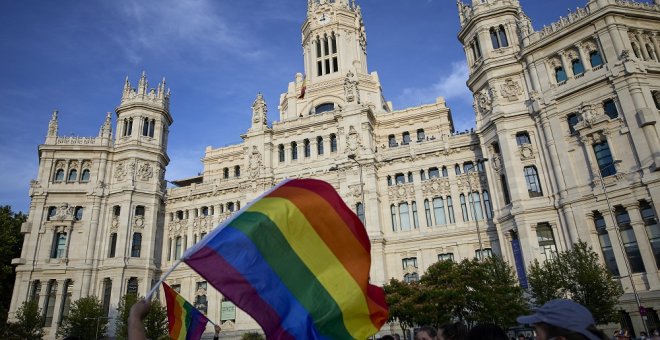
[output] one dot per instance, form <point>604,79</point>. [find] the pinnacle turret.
<point>159,97</point>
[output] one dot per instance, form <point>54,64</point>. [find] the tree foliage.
<point>85,320</point>
<point>472,291</point>
<point>252,336</point>
<point>29,322</point>
<point>577,274</point>
<point>11,242</point>
<point>155,323</point>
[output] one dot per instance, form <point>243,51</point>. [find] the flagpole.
<point>162,278</point>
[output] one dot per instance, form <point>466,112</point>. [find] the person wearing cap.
<point>563,320</point>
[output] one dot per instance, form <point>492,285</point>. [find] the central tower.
<point>333,39</point>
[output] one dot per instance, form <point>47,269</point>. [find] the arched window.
<point>319,145</point>
<point>477,48</point>
<point>294,150</point>
<point>434,173</point>
<point>145,127</point>
<point>445,173</point>
<point>411,277</point>
<point>78,213</point>
<point>415,215</point>
<point>422,175</point>
<point>205,211</point>
<point>636,50</point>
<point>533,183</point>
<point>464,209</point>
<point>177,248</point>
<point>493,38</point>
<point>152,127</point>
<point>420,135</point>
<point>399,178</point>
<point>132,286</point>
<point>225,173</point>
<point>488,205</point>
<point>560,75</point>
<point>389,180</point>
<point>73,175</point>
<point>129,129</point>
<point>230,206</point>
<point>595,59</point>
<point>577,66</point>
<point>410,177</point>
<point>475,203</point>
<point>280,149</point>
<point>427,212</point>
<point>391,141</point>
<point>393,216</point>
<point>651,51</point>
<point>59,175</point>
<point>468,167</point>
<point>307,148</point>
<point>406,138</point>
<point>137,245</point>
<point>450,210</point>
<point>179,215</point>
<point>504,42</point>
<point>404,216</point>
<point>439,211</point>
<point>84,177</point>
<point>333,142</point>
<point>325,107</point>
<point>457,169</point>
<point>237,171</point>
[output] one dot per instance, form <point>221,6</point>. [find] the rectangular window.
<point>434,173</point>
<point>610,109</point>
<point>604,159</point>
<point>393,215</point>
<point>59,246</point>
<point>49,307</point>
<point>409,262</point>
<point>487,205</point>
<point>420,135</point>
<point>107,294</point>
<point>137,245</point>
<point>450,210</point>
<point>359,210</point>
<point>446,257</point>
<point>177,248</point>
<point>629,240</point>
<point>533,183</point>
<point>481,254</point>
<point>522,138</point>
<point>439,211</point>
<point>572,120</point>
<point>427,209</point>
<point>113,245</point>
<point>406,138</point>
<point>464,209</point>
<point>415,215</point>
<point>505,189</point>
<point>404,216</point>
<point>605,244</point>
<point>546,241</point>
<point>132,286</point>
<point>399,178</point>
<point>66,299</point>
<point>475,204</point>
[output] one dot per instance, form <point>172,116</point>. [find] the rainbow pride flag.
<point>185,321</point>
<point>297,260</point>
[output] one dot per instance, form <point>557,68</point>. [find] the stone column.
<point>614,35</point>
<point>644,246</point>
<point>583,57</point>
<point>646,119</point>
<point>531,69</point>
<point>642,45</point>
<point>484,39</point>
<point>566,64</point>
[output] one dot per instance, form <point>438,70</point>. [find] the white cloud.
<point>451,87</point>
<point>195,26</point>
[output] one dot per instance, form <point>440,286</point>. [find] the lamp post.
<point>621,244</point>
<point>364,207</point>
<point>474,213</point>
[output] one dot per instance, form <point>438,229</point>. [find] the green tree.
<point>444,293</point>
<point>11,242</point>
<point>252,336</point>
<point>405,302</point>
<point>85,320</point>
<point>493,294</point>
<point>121,322</point>
<point>155,323</point>
<point>29,322</point>
<point>577,274</point>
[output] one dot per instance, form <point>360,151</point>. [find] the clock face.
<point>324,18</point>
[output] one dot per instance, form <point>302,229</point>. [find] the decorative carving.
<point>497,162</point>
<point>64,212</point>
<point>86,165</point>
<point>254,164</point>
<point>588,113</point>
<point>511,89</point>
<point>120,171</point>
<point>526,152</point>
<point>401,192</point>
<point>350,88</point>
<point>145,171</point>
<point>352,140</point>
<point>436,186</point>
<point>259,110</point>
<point>52,125</point>
<point>483,102</point>
<point>73,165</point>
<point>625,55</point>
<point>138,222</point>
<point>60,165</point>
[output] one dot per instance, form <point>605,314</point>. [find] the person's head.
<point>487,331</point>
<point>521,337</point>
<point>563,319</point>
<point>426,333</point>
<point>397,336</point>
<point>452,331</point>
<point>387,337</point>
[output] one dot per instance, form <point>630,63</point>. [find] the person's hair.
<point>387,337</point>
<point>487,331</point>
<point>432,332</point>
<point>555,331</point>
<point>454,331</point>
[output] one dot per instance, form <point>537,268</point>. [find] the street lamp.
<point>364,209</point>
<point>474,212</point>
<point>621,244</point>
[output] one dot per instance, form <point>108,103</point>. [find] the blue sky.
<point>216,55</point>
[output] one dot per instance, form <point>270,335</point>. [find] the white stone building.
<point>555,109</point>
